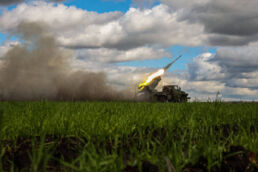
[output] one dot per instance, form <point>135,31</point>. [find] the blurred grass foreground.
<point>128,136</point>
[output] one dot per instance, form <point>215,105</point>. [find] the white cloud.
<point>60,18</point>
<point>80,28</point>
<point>250,81</point>
<point>202,69</point>
<point>159,25</point>
<point>205,90</point>
<point>241,59</point>
<point>232,70</point>
<point>106,55</point>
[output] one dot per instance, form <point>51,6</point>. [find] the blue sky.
<point>2,38</point>
<point>100,6</point>
<point>188,53</point>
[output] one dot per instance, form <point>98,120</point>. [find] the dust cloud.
<point>39,69</point>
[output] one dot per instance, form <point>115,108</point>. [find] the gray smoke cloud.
<point>39,69</point>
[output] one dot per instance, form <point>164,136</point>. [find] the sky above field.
<point>127,40</point>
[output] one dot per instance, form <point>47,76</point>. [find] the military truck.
<point>170,93</point>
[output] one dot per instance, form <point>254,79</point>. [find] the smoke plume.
<point>39,69</point>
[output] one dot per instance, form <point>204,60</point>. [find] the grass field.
<point>127,136</point>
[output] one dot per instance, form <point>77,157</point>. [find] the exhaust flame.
<point>151,78</point>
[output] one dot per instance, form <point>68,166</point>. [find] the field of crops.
<point>128,136</point>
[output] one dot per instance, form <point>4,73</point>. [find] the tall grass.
<point>116,134</point>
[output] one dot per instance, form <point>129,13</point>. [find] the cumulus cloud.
<point>106,55</point>
<point>231,17</point>
<point>226,22</point>
<point>60,18</point>
<point>203,90</point>
<point>237,59</point>
<point>83,29</point>
<point>239,64</point>
<point>202,69</point>
<point>231,22</point>
<point>159,25</point>
<point>235,69</point>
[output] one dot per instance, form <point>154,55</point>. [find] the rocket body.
<point>166,67</point>
<point>152,81</point>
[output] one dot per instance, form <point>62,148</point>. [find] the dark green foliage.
<point>112,136</point>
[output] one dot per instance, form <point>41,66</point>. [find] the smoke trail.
<point>39,69</point>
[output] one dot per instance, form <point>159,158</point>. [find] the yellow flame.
<point>150,78</point>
